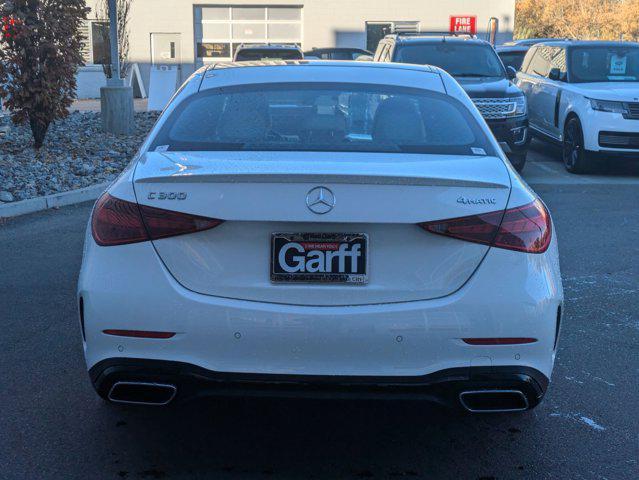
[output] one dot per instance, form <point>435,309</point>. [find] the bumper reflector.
<point>498,341</point>
<point>139,333</point>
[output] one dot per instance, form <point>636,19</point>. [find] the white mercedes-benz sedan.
<point>321,228</point>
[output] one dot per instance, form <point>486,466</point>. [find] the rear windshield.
<point>323,117</point>
<point>458,59</point>
<point>512,59</point>
<point>604,64</point>
<point>255,54</point>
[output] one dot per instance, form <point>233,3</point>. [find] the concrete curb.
<point>55,200</point>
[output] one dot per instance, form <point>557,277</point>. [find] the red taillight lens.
<point>166,223</point>
<point>525,229</point>
<point>118,222</point>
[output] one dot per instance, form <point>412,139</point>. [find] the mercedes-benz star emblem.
<point>320,200</point>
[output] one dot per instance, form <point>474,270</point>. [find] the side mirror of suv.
<point>511,73</point>
<point>554,74</point>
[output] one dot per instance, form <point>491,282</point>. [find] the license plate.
<point>319,257</point>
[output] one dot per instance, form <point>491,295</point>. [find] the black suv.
<point>267,51</point>
<point>476,66</point>
<point>338,53</point>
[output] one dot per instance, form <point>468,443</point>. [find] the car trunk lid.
<point>381,196</point>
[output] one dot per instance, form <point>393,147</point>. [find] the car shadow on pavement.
<point>309,439</point>
<point>611,167</point>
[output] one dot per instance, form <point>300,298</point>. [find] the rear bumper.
<point>510,295</point>
<point>442,387</point>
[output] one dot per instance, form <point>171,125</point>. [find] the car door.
<point>549,90</point>
<point>522,79</point>
<point>532,80</point>
<point>558,62</point>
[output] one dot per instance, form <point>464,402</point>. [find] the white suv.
<point>584,95</point>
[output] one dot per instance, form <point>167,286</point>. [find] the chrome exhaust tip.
<point>142,393</point>
<point>494,401</point>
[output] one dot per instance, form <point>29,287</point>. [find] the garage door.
<point>219,30</point>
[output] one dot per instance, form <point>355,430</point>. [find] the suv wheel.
<point>576,157</point>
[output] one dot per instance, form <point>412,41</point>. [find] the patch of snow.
<point>591,423</point>
<point>573,379</point>
<point>604,381</point>
<point>581,418</point>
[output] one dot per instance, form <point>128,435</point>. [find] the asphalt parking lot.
<point>52,425</point>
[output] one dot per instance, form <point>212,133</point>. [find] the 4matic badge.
<point>476,201</point>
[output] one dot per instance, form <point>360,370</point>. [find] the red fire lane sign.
<point>463,23</point>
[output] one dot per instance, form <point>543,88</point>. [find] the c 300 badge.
<point>167,196</point>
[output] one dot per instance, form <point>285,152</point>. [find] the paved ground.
<point>52,425</point>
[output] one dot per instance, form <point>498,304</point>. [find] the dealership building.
<point>183,35</point>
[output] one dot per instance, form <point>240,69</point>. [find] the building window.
<point>100,45</point>
<point>213,50</point>
<point>96,49</point>
<point>219,30</point>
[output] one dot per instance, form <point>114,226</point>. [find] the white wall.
<point>326,23</point>
<point>90,78</point>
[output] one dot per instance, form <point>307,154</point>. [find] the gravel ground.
<point>76,154</point>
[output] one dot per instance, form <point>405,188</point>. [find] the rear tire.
<point>576,158</point>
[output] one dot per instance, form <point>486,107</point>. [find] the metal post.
<point>115,80</point>
<point>116,100</point>
<point>493,29</point>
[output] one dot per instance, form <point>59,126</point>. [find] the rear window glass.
<point>512,59</point>
<point>458,59</point>
<point>255,54</point>
<point>323,117</point>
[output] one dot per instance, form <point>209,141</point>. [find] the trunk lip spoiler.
<point>321,177</point>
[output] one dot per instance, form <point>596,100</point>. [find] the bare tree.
<point>123,8</point>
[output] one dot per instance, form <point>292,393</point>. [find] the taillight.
<point>525,229</point>
<point>118,222</point>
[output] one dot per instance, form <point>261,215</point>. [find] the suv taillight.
<point>525,229</point>
<point>118,222</point>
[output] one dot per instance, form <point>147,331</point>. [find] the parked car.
<point>584,95</point>
<point>259,52</point>
<point>336,53</point>
<point>512,56</point>
<point>318,228</point>
<point>512,53</point>
<point>527,42</point>
<point>476,66</point>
